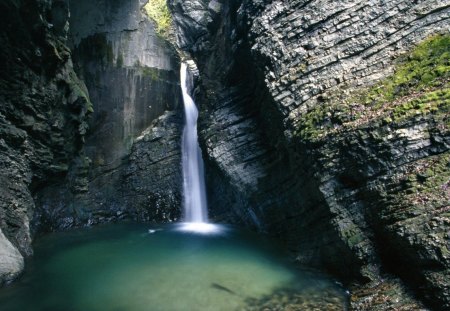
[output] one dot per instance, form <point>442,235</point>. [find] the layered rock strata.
<point>301,147</point>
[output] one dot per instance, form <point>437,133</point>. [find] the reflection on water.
<point>133,267</point>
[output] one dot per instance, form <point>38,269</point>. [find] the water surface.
<point>134,267</point>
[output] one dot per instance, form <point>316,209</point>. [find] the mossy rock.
<point>419,86</point>
<point>426,66</point>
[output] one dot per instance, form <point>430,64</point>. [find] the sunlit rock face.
<point>132,77</point>
<point>293,151</point>
<point>131,73</point>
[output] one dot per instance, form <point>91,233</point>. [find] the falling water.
<point>195,208</point>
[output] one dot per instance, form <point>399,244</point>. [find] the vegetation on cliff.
<point>158,11</point>
<point>427,66</point>
<point>420,86</point>
<point>427,185</point>
<point>392,138</point>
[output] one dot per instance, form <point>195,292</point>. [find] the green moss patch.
<point>80,97</point>
<point>427,66</point>
<point>420,86</point>
<point>152,73</point>
<point>429,181</point>
<point>436,102</point>
<point>422,190</point>
<point>158,11</point>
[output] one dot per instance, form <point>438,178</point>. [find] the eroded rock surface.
<point>42,115</point>
<point>303,156</point>
<point>59,168</point>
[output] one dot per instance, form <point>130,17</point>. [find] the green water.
<point>124,267</point>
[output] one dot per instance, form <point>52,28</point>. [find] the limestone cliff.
<point>310,135</point>
<point>132,77</point>
<point>324,124</point>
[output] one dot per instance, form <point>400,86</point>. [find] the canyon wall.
<point>132,77</point>
<point>43,117</point>
<point>324,125</point>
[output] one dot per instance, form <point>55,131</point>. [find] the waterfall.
<point>195,207</point>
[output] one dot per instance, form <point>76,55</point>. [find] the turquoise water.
<point>133,267</point>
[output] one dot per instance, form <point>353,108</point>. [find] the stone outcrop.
<point>298,146</point>
<point>42,116</point>
<point>309,48</point>
<point>131,74</point>
<point>154,173</point>
<point>132,77</point>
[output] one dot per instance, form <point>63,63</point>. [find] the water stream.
<point>195,206</point>
<point>194,192</point>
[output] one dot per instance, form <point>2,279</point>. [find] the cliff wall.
<point>43,117</point>
<point>317,129</point>
<point>132,77</point>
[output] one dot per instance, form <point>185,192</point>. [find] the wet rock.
<point>131,74</point>
<point>59,168</point>
<point>306,299</point>
<point>146,186</point>
<point>388,294</point>
<point>11,261</point>
<point>152,180</point>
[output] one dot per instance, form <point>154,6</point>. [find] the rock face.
<point>60,169</point>
<point>132,78</point>
<point>42,116</point>
<point>130,72</point>
<point>12,261</point>
<point>312,48</point>
<point>154,173</point>
<point>302,143</point>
